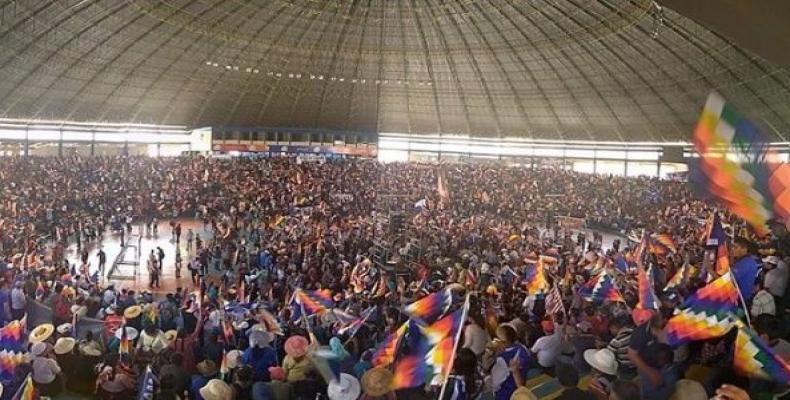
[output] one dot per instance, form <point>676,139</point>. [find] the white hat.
<point>240,326</point>
<point>345,388</point>
<point>38,349</point>
<point>65,345</point>
<point>216,389</point>
<point>131,333</point>
<point>602,360</point>
<point>260,338</point>
<point>65,328</point>
<point>234,358</point>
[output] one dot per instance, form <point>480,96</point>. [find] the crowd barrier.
<point>38,313</point>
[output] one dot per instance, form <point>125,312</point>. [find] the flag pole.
<point>455,345</point>
<point>740,296</point>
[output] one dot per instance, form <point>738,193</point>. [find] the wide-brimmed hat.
<point>522,393</point>
<point>131,333</point>
<point>91,349</point>
<point>234,358</point>
<point>216,389</point>
<point>207,368</point>
<point>377,382</point>
<point>41,333</point>
<point>65,345</point>
<point>171,335</point>
<point>602,360</point>
<point>65,328</point>
<point>687,389</point>
<point>296,346</point>
<point>38,349</point>
<point>132,312</point>
<point>346,387</point>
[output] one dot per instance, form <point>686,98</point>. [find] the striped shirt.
<point>619,346</point>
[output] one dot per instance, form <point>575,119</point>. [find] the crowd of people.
<point>274,226</point>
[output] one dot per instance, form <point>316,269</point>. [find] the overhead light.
<point>270,73</point>
<point>216,65</point>
<point>208,63</point>
<point>298,76</point>
<point>235,67</point>
<point>353,81</point>
<point>342,79</point>
<point>279,75</point>
<point>291,76</point>
<point>333,78</point>
<point>248,69</point>
<point>399,82</point>
<point>363,81</point>
<point>320,77</point>
<point>378,82</point>
<point>312,76</point>
<point>228,67</point>
<point>255,71</point>
<point>386,81</point>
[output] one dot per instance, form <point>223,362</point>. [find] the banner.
<point>571,222</point>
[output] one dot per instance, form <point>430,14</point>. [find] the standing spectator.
<point>5,303</point>
<point>190,240</point>
<point>102,256</point>
<point>18,301</point>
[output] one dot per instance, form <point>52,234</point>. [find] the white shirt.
<point>45,370</point>
<point>547,348</point>
<point>763,303</point>
<point>475,339</point>
<point>776,279</point>
<point>17,299</point>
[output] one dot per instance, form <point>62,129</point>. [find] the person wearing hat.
<point>377,384</point>
<point>345,387</point>
<point>216,389</point>
<point>207,371</point>
<point>46,372</point>
<point>18,300</point>
<point>296,364</point>
<point>604,369</point>
<point>41,333</point>
<point>776,277</point>
<point>112,321</point>
<point>260,356</point>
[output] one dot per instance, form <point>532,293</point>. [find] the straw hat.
<point>91,349</point>
<point>131,333</point>
<point>171,335</point>
<point>38,349</point>
<point>687,389</point>
<point>41,333</point>
<point>216,389</point>
<point>207,368</point>
<point>377,382</point>
<point>65,328</point>
<point>132,312</point>
<point>602,360</point>
<point>522,393</point>
<point>296,346</point>
<point>234,358</point>
<point>64,345</point>
<point>345,388</point>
